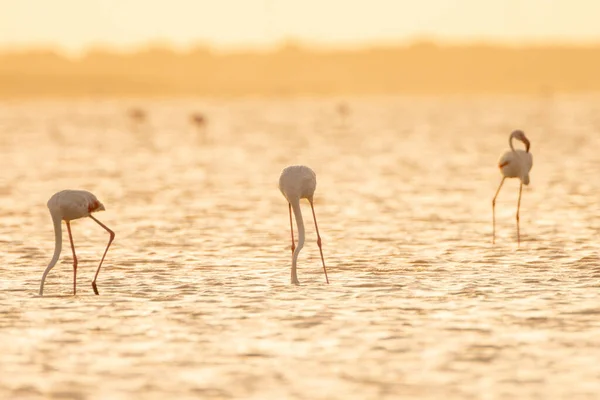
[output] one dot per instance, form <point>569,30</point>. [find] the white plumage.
<point>514,164</point>
<point>74,204</point>
<point>299,182</point>
<point>68,205</point>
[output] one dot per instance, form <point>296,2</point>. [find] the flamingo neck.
<point>300,223</point>
<point>57,220</point>
<point>510,142</point>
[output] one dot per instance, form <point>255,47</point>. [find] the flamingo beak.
<point>527,144</point>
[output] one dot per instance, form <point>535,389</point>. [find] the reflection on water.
<point>196,300</point>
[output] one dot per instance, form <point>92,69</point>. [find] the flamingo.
<point>514,164</point>
<point>299,182</point>
<point>199,121</point>
<point>68,205</point>
<point>343,110</point>
<point>137,114</point>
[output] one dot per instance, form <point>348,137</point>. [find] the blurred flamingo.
<point>137,115</point>
<point>514,164</point>
<point>199,120</point>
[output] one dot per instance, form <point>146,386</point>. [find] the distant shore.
<point>291,69</point>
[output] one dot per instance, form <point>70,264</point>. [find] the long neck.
<point>57,220</point>
<point>300,223</point>
<point>510,142</point>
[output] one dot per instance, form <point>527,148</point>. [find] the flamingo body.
<point>299,182</point>
<point>198,119</point>
<point>68,205</point>
<point>516,164</point>
<point>137,114</point>
<point>74,204</point>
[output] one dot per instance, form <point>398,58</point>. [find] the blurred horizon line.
<point>296,68</point>
<point>297,43</point>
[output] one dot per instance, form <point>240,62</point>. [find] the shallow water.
<point>195,299</point>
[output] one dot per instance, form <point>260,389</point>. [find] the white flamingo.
<point>68,205</point>
<point>514,164</point>
<point>137,114</point>
<point>199,120</point>
<point>299,182</point>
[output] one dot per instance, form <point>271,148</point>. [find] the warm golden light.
<point>75,25</point>
<point>234,47</point>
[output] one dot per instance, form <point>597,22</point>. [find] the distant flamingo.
<point>137,114</point>
<point>514,164</point>
<point>68,205</point>
<point>199,121</point>
<point>343,110</point>
<point>299,182</point>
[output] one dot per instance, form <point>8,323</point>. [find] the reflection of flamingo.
<point>514,164</point>
<point>299,182</point>
<point>68,205</point>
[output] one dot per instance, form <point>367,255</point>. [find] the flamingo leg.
<point>292,228</point>
<point>112,237</point>
<point>319,240</point>
<point>74,258</point>
<point>518,208</point>
<point>494,211</point>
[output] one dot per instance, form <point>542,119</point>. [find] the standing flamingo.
<point>68,205</point>
<point>299,182</point>
<point>344,111</point>
<point>199,121</point>
<point>137,114</point>
<point>514,164</point>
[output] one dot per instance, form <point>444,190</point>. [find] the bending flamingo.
<point>68,205</point>
<point>299,182</point>
<point>514,164</point>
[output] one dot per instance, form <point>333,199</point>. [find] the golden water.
<point>195,299</point>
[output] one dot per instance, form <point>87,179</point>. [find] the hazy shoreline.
<point>292,70</point>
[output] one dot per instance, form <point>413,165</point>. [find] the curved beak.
<point>527,144</point>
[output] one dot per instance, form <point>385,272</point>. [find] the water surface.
<point>195,299</point>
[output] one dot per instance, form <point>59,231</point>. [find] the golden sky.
<point>75,24</point>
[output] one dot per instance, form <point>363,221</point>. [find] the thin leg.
<point>112,236</point>
<point>319,240</point>
<point>294,278</point>
<point>518,208</point>
<point>494,211</point>
<point>292,228</point>
<point>74,258</point>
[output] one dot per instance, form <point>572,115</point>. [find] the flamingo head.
<point>520,135</point>
<point>95,206</point>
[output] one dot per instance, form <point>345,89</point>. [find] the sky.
<point>74,25</point>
